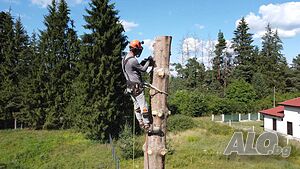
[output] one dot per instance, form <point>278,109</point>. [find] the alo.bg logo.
<point>266,144</point>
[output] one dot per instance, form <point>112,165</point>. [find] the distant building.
<point>284,119</point>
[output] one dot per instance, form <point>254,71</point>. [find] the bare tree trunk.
<point>155,145</point>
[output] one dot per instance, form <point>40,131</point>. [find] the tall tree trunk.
<point>155,145</point>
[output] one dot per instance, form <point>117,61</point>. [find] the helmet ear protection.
<point>136,47</point>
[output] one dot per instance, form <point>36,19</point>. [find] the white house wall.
<point>291,114</point>
<point>268,124</point>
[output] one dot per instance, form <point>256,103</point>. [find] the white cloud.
<point>284,17</point>
<point>199,26</point>
<point>149,43</point>
<point>45,3</point>
<point>202,49</point>
<point>42,3</point>
<point>128,26</point>
<point>194,47</point>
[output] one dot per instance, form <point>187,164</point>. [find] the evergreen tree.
<point>8,62</point>
<point>57,47</point>
<point>274,64</point>
<point>242,45</point>
<point>32,112</point>
<point>192,74</point>
<point>72,71</point>
<point>100,98</point>
<point>218,61</point>
<point>22,69</point>
<point>293,78</point>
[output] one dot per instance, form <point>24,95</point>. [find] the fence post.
<point>249,116</point>
<point>223,118</point>
<point>212,117</point>
<point>240,117</point>
<point>258,116</point>
<point>15,123</point>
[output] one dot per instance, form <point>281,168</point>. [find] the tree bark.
<point>155,144</point>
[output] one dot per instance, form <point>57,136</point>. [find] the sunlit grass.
<point>200,147</point>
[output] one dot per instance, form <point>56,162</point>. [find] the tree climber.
<point>132,70</point>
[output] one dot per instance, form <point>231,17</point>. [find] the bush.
<point>180,122</point>
<point>190,103</point>
<point>126,142</point>
<point>220,129</point>
<point>240,91</point>
<point>214,127</point>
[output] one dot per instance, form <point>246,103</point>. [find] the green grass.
<point>51,149</point>
<point>200,147</point>
<point>203,147</point>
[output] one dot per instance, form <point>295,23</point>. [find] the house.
<point>284,119</point>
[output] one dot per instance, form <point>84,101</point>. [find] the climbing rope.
<point>148,85</point>
<point>133,138</point>
<point>146,150</point>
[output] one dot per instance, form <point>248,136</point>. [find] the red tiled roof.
<point>276,111</point>
<point>293,102</point>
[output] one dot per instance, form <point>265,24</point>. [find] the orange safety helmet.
<point>136,47</point>
<point>136,44</point>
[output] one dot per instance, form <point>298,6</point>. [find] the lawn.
<point>51,149</point>
<point>200,147</point>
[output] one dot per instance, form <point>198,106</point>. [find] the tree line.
<point>54,79</point>
<point>244,81</point>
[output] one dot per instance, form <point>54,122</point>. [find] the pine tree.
<point>242,45</point>
<point>293,78</point>
<point>101,83</point>
<point>22,69</point>
<point>274,64</point>
<point>72,71</point>
<point>8,76</point>
<point>32,112</point>
<point>56,47</point>
<point>219,59</point>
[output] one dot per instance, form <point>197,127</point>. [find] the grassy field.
<point>201,147</point>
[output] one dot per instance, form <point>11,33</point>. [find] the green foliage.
<point>260,85</point>
<point>190,103</point>
<point>222,62</point>
<point>100,92</point>
<point>58,69</point>
<point>127,144</point>
<point>193,73</point>
<point>268,101</point>
<point>7,64</point>
<point>230,106</point>
<point>242,45</point>
<point>273,63</point>
<point>180,122</point>
<point>240,91</point>
<point>293,76</point>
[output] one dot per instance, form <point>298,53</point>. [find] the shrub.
<point>220,129</point>
<point>126,142</point>
<point>240,91</point>
<point>190,103</point>
<point>180,122</point>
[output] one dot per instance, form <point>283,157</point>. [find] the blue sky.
<point>196,21</point>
